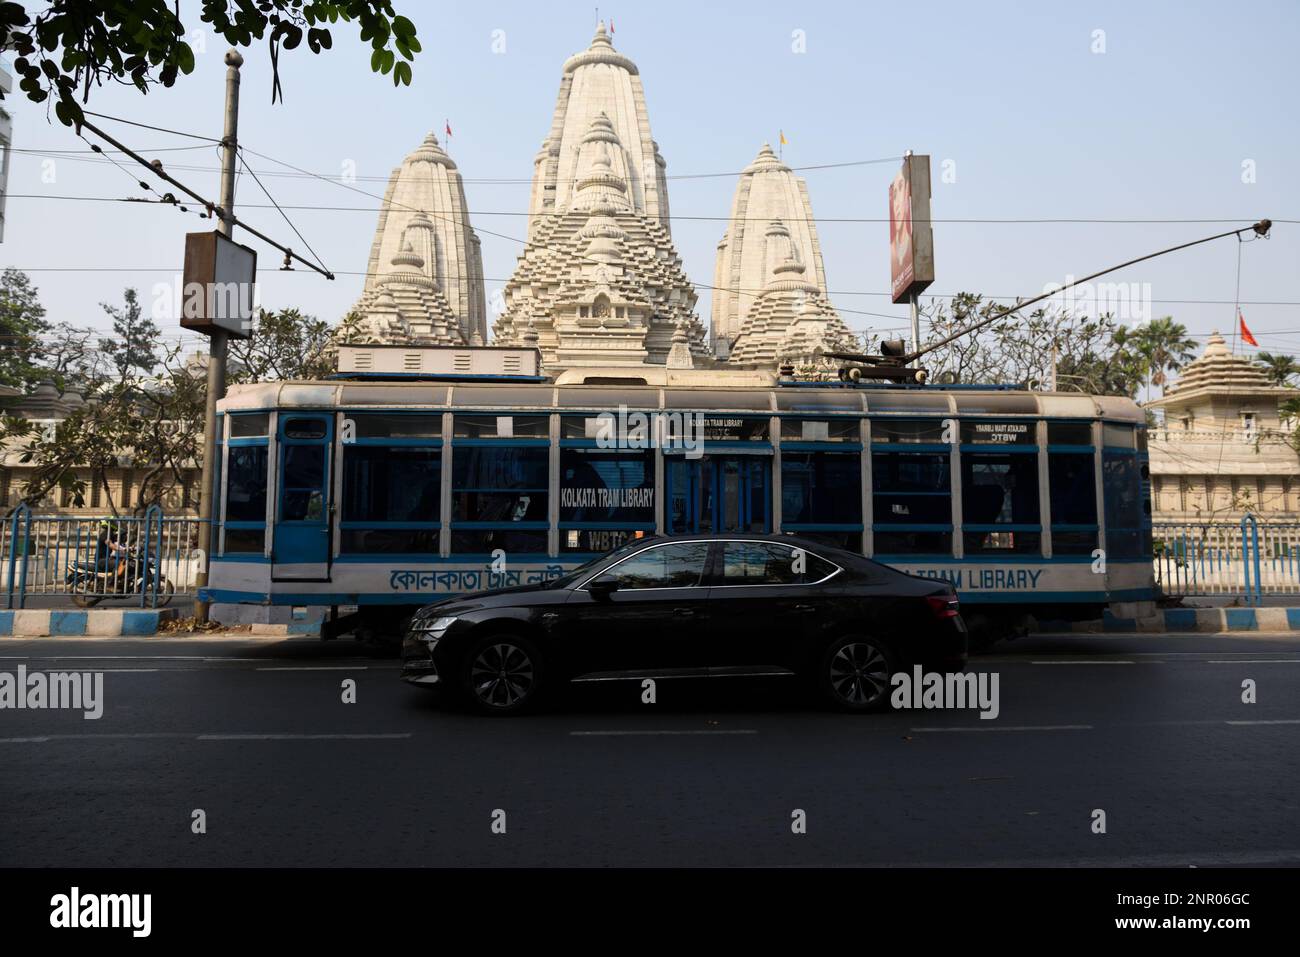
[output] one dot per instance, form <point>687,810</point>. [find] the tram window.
<point>820,430</point>
<point>305,429</point>
<point>1073,486</point>
<point>1000,490</point>
<point>636,430</point>
<point>907,430</point>
<point>1069,433</point>
<point>484,541</point>
<point>394,491</point>
<point>246,484</point>
<point>607,486</point>
<point>912,543</point>
<point>911,488</point>
<point>1118,436</point>
<point>378,426</point>
<point>850,541</point>
<point>1074,489</point>
<point>1122,491</point>
<point>821,488</point>
<point>502,427</point>
<point>499,484</point>
<point>250,426</point>
<point>243,541</point>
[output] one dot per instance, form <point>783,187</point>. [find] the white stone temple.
<point>769,272</point>
<point>599,283</point>
<point>424,279</point>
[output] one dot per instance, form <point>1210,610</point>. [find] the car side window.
<point>665,566</point>
<point>763,563</point>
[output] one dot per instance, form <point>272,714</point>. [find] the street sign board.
<point>220,282</point>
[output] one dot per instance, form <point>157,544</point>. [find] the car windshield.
<point>564,581</point>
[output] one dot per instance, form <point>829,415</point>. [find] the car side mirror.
<point>602,587</point>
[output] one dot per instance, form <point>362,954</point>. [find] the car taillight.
<point>943,606</point>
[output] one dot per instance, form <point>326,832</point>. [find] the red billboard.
<point>911,239</point>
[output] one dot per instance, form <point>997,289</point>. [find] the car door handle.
<point>683,613</point>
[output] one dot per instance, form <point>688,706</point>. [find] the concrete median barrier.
<point>87,623</point>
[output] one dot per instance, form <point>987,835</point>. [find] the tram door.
<point>301,547</point>
<point>718,493</point>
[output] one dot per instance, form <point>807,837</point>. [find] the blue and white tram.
<point>386,495</point>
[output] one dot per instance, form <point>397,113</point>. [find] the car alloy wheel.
<point>858,672</point>
<point>502,675</point>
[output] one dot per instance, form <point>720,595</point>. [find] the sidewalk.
<point>1182,620</point>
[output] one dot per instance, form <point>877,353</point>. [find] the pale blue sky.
<point>1036,124</point>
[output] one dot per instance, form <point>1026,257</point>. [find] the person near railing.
<point>109,552</point>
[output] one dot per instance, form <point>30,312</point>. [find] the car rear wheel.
<point>855,673</point>
<point>502,675</point>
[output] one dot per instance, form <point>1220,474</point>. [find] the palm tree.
<point>1163,346</point>
<point>1280,368</point>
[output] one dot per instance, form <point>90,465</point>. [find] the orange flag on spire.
<point>1246,337</point>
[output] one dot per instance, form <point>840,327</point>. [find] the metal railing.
<point>145,559</point>
<point>1249,558</point>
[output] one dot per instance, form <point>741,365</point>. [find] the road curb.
<point>87,623</point>
<point>1182,620</point>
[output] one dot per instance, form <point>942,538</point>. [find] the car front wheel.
<point>502,675</point>
<point>855,673</point>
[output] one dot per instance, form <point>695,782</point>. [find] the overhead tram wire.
<point>156,129</point>
<point>382,207</point>
<point>252,172</point>
<point>1260,228</point>
<point>207,204</point>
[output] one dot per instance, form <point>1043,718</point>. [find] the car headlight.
<point>433,626</point>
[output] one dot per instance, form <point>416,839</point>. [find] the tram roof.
<point>549,397</point>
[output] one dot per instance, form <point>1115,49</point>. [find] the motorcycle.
<point>123,577</point>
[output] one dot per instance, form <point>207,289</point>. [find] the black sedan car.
<point>693,606</point>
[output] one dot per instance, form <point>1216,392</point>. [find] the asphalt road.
<point>254,732</point>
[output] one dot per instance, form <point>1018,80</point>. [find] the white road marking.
<point>614,734</point>
<point>311,668</point>
<point>1015,727</point>
<point>190,736</point>
<point>1254,661</point>
<point>301,737</point>
<point>1279,721</point>
<point>1084,662</point>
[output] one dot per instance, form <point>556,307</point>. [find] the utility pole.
<point>219,339</point>
<point>916,327</point>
